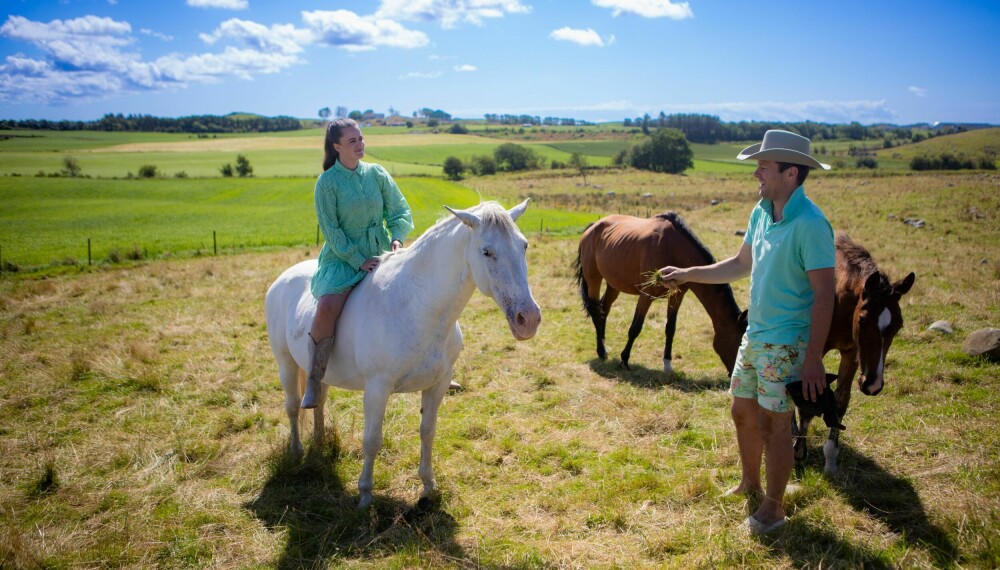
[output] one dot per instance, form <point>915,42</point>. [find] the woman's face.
<point>351,146</point>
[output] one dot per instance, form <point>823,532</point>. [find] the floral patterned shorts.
<point>763,369</point>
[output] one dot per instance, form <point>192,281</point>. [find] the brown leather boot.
<point>321,357</point>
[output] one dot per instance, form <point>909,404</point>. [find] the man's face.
<point>774,185</point>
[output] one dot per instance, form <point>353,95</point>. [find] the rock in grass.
<point>984,342</point>
<point>941,327</point>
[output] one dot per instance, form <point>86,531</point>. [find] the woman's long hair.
<point>333,131</point>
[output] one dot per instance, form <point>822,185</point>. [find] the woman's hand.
<point>396,244</point>
<point>370,264</point>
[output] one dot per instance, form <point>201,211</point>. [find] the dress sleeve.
<point>326,212</point>
<point>396,210</point>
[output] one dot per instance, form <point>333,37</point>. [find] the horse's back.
<point>622,248</point>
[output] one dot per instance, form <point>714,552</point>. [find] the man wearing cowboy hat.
<point>788,253</point>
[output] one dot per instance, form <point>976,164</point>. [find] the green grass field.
<point>48,221</point>
<point>141,420</point>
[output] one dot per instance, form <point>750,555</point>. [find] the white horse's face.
<point>496,256</point>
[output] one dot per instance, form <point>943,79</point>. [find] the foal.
<point>866,318</point>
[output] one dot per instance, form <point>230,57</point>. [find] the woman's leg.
<point>324,326</point>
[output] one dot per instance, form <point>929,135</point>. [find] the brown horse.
<point>866,318</point>
<point>623,250</point>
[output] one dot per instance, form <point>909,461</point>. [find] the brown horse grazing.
<point>624,250</point>
<point>866,318</point>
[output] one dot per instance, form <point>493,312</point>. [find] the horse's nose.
<point>527,321</point>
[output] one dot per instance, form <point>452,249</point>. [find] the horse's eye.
<point>487,252</point>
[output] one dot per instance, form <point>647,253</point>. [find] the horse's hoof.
<point>366,501</point>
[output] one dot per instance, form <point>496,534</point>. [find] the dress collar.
<point>344,171</point>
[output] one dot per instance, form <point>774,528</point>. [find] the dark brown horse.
<point>624,250</point>
<point>866,318</point>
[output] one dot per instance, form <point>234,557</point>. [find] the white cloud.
<point>586,37</point>
<point>224,4</point>
<point>865,112</point>
<point>420,75</point>
<point>87,59</point>
<point>450,13</point>
<point>647,8</point>
<point>155,34</point>
<point>280,38</point>
<point>349,31</point>
<point>918,91</point>
<point>465,68</point>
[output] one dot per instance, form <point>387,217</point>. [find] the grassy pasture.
<point>47,221</point>
<point>141,417</point>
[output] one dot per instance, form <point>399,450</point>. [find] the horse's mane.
<point>858,262</point>
<point>679,223</point>
<point>681,226</point>
<point>491,213</point>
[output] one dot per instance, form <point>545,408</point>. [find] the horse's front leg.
<point>673,306</point>
<point>845,378</point>
<point>429,405</point>
<point>799,433</point>
<point>376,398</point>
<point>641,308</point>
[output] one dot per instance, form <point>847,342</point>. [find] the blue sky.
<point>821,60</point>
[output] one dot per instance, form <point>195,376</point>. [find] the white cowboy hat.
<point>782,146</point>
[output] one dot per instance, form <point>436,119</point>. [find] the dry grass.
<point>141,420</point>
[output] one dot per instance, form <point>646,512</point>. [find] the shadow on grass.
<point>310,503</point>
<point>651,378</point>
<point>870,489</point>
<point>891,499</point>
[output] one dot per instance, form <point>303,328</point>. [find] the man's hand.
<point>672,276</point>
<point>813,379</point>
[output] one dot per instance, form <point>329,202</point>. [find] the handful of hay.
<point>654,279</point>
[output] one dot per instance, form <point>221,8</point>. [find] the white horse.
<point>399,331</point>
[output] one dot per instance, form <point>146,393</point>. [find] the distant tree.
<point>453,167</point>
<point>512,157</point>
<point>227,170</point>
<point>433,123</point>
<point>356,115</point>
<point>579,162</point>
<point>147,171</point>
<point>243,167</point>
<point>71,167</point>
<point>458,129</point>
<point>483,165</point>
<point>666,151</point>
<point>325,113</point>
<point>645,124</point>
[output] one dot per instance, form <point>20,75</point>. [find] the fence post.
<point>88,253</point>
<point>215,245</point>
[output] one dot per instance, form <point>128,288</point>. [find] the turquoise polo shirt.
<point>781,297</point>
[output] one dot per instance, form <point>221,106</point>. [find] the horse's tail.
<point>591,306</point>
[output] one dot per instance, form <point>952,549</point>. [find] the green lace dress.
<point>360,212</point>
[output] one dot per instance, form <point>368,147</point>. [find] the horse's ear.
<point>902,287</point>
<point>516,211</point>
<point>872,285</point>
<point>468,218</point>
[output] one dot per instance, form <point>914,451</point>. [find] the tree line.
<point>709,129</point>
<point>504,119</point>
<point>197,124</point>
